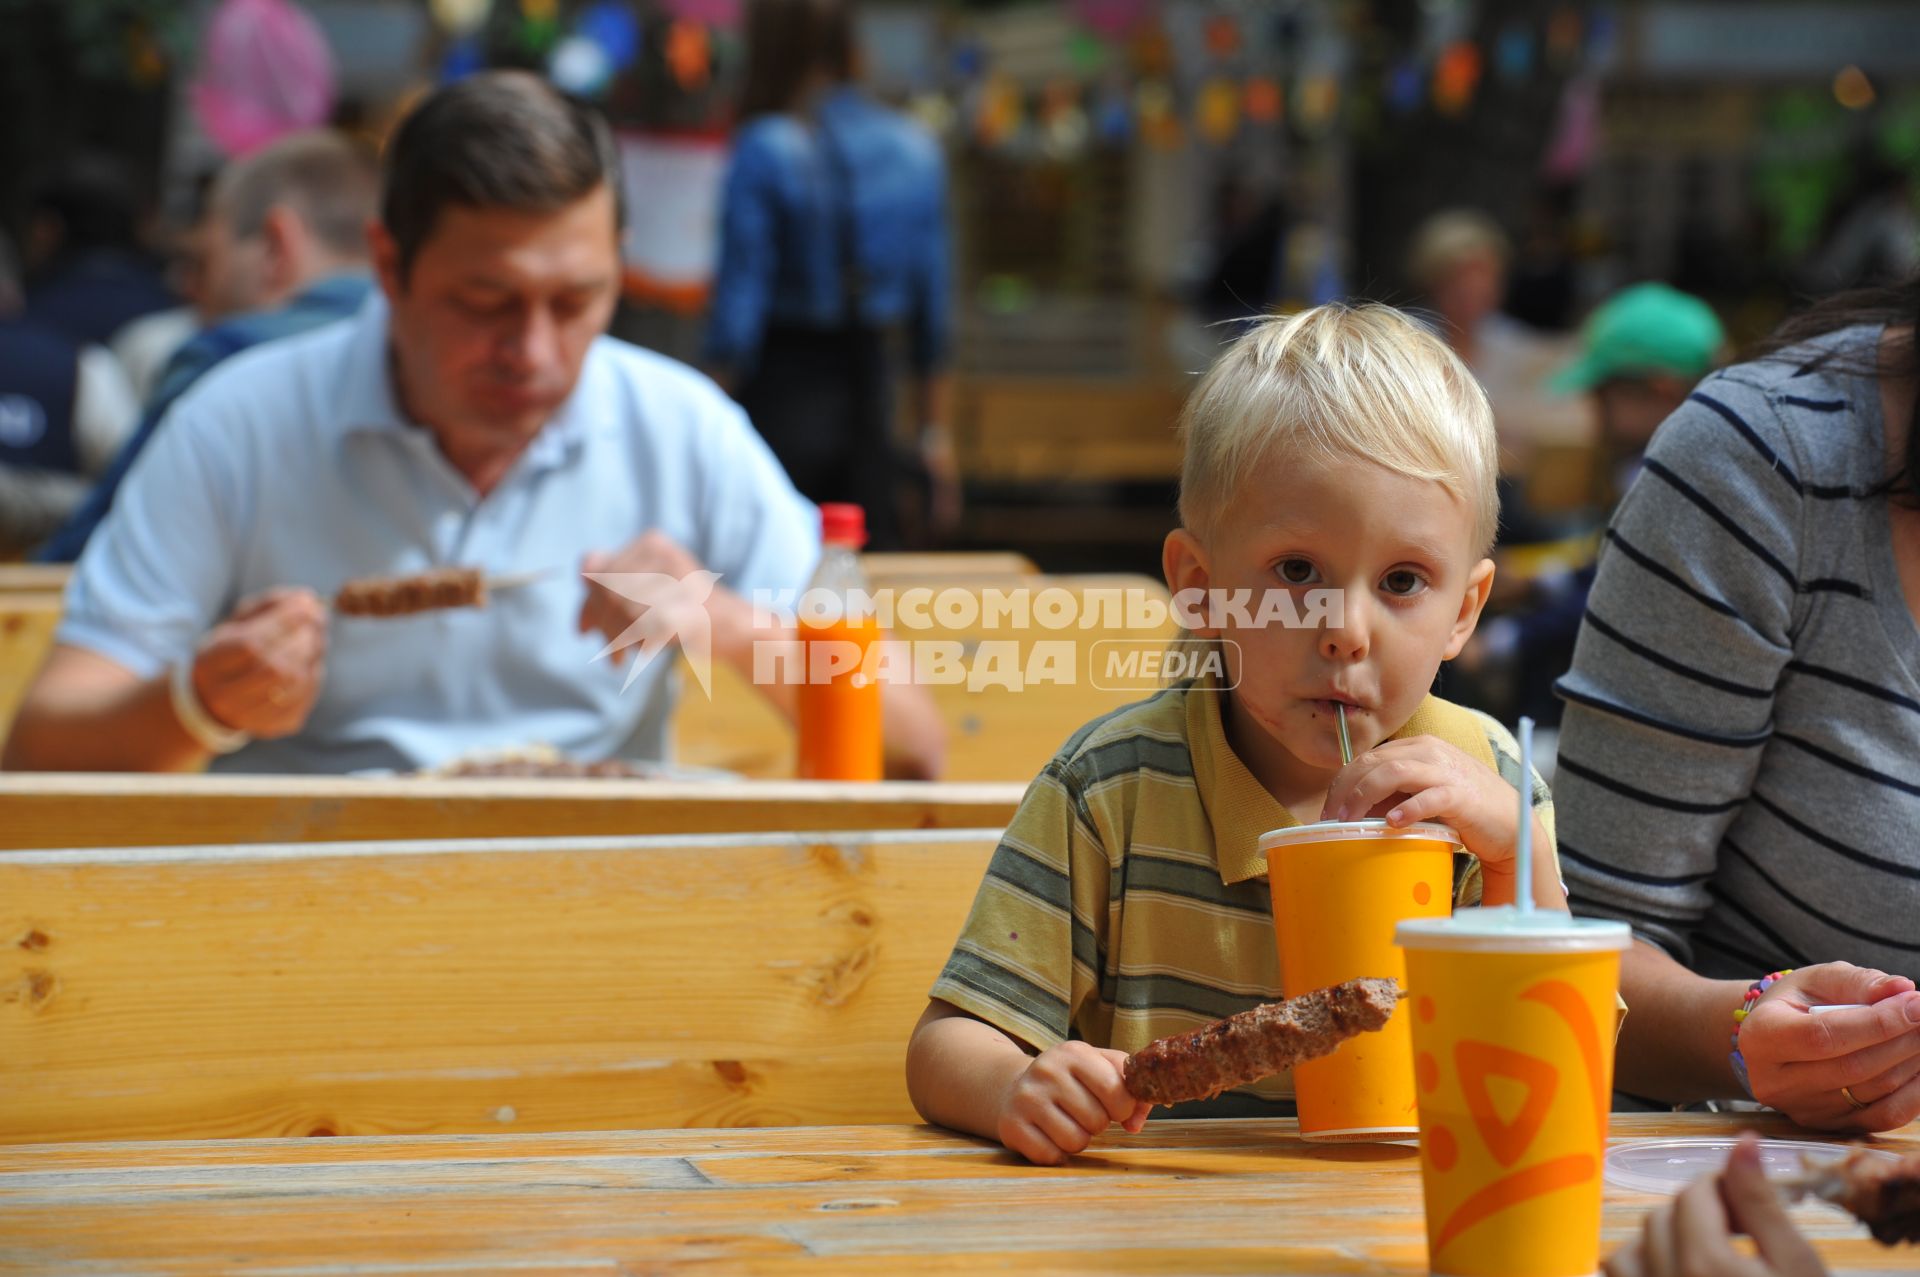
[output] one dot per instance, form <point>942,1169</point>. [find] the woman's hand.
<point>1799,1061</point>
<point>1692,1235</point>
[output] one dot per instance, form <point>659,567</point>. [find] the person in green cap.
<point>1641,353</point>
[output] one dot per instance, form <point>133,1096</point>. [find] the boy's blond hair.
<point>1333,383</point>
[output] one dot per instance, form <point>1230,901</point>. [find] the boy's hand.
<point>1067,1096</point>
<point>1424,778</point>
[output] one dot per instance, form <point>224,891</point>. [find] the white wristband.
<point>193,716</point>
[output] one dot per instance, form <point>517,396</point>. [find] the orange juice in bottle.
<point>840,699</point>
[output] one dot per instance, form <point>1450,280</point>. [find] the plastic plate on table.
<point>1667,1166</point>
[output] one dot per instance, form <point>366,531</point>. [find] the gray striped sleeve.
<point>1671,694</point>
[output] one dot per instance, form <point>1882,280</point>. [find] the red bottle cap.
<point>843,524</point>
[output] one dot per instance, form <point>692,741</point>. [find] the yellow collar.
<point>1238,807</point>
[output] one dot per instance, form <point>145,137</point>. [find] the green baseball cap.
<point>1648,328</point>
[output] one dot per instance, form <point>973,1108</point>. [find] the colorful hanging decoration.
<point>1576,131</point>
<point>934,112</point>
<point>580,66</point>
<point>1563,35</point>
<point>1455,77</point>
<point>1406,86</point>
<point>689,54</point>
<point>539,26</point>
<point>1223,35</point>
<point>611,25</point>
<point>1063,124</point>
<point>1153,109</point>
<point>722,15</point>
<point>969,61</point>
<point>1151,53</point>
<point>147,61</point>
<point>999,112</point>
<point>1216,115</point>
<point>1113,118</point>
<point>1086,53</point>
<point>1319,102</point>
<point>463,57</point>
<point>1513,54</point>
<point>1112,19</point>
<point>459,17</point>
<point>266,70</point>
<point>1265,102</point>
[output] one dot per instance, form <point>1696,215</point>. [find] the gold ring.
<point>1848,1095</point>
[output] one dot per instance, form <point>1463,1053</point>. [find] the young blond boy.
<point>1339,448</point>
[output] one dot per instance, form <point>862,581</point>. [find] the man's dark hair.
<point>789,43</point>
<point>94,200</point>
<point>326,177</point>
<point>499,139</point>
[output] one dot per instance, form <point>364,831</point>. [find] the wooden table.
<point>1182,1197</point>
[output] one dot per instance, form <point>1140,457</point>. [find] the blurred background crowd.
<point>1596,203</point>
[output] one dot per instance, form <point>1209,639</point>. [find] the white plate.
<point>1667,1166</point>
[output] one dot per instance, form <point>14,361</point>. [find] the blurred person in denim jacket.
<point>833,238</point>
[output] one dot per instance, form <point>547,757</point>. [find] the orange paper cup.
<point>1513,1028</point>
<point>1339,889</point>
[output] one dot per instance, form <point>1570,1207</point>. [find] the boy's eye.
<point>1402,583</point>
<point>1297,571</point>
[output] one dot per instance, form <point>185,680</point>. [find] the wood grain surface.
<point>1180,1198</point>
<point>471,986</point>
<point>118,810</point>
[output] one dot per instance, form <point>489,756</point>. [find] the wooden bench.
<point>1041,430</point>
<point>120,810</point>
<point>904,568</point>
<point>27,623</point>
<point>33,578</point>
<point>471,986</point>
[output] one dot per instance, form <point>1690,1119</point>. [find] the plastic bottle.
<point>839,704</point>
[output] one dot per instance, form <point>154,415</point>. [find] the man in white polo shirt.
<point>471,415</point>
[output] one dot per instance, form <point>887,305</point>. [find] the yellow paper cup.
<point>1513,1028</point>
<point>1339,889</point>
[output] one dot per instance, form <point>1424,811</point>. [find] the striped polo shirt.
<point>1128,898</point>
<point>1740,759</point>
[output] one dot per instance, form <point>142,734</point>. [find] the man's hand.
<point>260,670</point>
<point>1692,1235</point>
<point>612,613</point>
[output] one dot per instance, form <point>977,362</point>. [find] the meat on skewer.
<point>404,595</point>
<point>1881,1193</point>
<point>1258,1043</point>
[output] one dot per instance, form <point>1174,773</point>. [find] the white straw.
<point>1523,846</point>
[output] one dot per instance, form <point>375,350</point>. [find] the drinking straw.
<point>1523,846</point>
<point>1346,745</point>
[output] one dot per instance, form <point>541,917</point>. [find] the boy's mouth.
<point>1330,705</point>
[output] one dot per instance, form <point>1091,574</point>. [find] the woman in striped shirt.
<point>1739,770</point>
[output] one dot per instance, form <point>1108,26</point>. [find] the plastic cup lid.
<point>1504,928</point>
<point>1667,1166</point>
<point>1341,830</point>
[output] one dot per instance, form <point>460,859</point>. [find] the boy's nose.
<point>1346,642</point>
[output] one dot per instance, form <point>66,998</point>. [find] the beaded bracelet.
<point>1754,991</point>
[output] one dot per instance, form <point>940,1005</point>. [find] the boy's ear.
<point>1479,586</point>
<point>1184,562</point>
